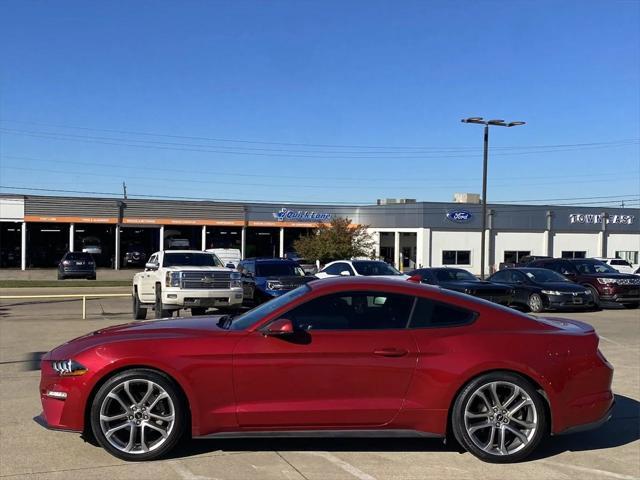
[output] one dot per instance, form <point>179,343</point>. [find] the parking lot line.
<point>594,471</point>
<point>346,466</point>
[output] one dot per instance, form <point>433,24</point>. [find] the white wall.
<point>456,241</point>
<point>622,242</point>
<point>533,242</point>
<point>586,242</point>
<point>12,209</point>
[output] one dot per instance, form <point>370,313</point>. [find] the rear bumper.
<point>591,425</point>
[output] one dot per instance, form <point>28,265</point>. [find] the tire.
<point>596,297</point>
<point>198,311</point>
<point>535,303</point>
<point>134,414</point>
<point>530,420</point>
<point>139,313</point>
<point>60,277</point>
<point>631,305</point>
<point>160,312</point>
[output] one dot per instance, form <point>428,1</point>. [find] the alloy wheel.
<point>137,416</point>
<point>500,418</point>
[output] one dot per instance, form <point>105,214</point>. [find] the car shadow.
<point>623,428</point>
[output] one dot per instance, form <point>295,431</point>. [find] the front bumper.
<point>569,301</point>
<point>178,297</point>
<point>77,273</point>
<point>61,413</point>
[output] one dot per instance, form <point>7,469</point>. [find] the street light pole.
<point>485,164</point>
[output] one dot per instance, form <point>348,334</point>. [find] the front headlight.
<point>607,281</point>
<point>236,276</point>
<point>274,285</point>
<point>68,368</point>
<point>235,284</point>
<point>172,279</point>
<point>587,292</point>
<point>551,292</point>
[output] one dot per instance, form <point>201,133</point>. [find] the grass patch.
<point>63,283</point>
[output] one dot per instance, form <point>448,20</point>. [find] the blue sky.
<point>325,100</point>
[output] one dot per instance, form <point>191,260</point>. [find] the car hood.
<point>147,330</point>
<point>181,268</point>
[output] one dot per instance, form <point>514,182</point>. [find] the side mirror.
<point>281,327</point>
<point>151,266</point>
<point>345,273</point>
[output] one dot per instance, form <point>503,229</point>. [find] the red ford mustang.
<point>359,357</point>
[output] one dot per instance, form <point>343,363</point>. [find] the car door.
<point>247,270</point>
<point>348,365</point>
<point>146,285</point>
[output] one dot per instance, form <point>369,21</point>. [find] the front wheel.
<point>138,415</point>
<point>139,312</point>
<point>160,312</point>
<point>535,303</point>
<point>499,417</point>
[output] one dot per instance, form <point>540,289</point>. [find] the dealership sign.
<point>301,215</point>
<point>596,218</point>
<point>459,216</point>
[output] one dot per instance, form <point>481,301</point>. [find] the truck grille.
<point>208,280</point>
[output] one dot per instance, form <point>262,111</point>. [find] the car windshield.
<point>78,256</point>
<point>454,275</point>
<point>542,275</point>
<point>278,269</point>
<point>593,266</point>
<point>254,315</point>
<point>368,268</point>
<point>189,259</point>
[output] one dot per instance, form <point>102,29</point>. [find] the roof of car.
<point>185,251</point>
<point>272,260</point>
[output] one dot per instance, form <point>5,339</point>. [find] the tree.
<point>339,239</point>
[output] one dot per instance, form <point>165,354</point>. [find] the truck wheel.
<point>198,311</point>
<point>535,303</point>
<point>139,313</point>
<point>160,312</point>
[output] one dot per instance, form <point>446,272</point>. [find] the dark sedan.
<point>462,281</point>
<point>77,265</point>
<point>541,289</point>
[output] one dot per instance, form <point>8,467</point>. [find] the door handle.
<point>390,352</point>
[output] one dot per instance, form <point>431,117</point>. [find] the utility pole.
<point>485,162</point>
<point>124,190</point>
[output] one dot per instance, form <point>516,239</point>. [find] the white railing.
<point>84,297</point>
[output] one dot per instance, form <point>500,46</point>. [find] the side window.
<point>566,268</point>
<point>432,314</point>
<point>154,258</point>
<point>353,311</point>
<point>250,267</point>
<point>336,268</point>
<point>501,276</point>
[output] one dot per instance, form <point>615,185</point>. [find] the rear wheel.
<point>138,415</point>
<point>535,303</point>
<point>198,311</point>
<point>160,312</point>
<point>499,417</point>
<point>139,312</point>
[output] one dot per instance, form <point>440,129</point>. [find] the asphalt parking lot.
<point>30,327</point>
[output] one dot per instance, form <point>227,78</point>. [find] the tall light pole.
<point>486,123</point>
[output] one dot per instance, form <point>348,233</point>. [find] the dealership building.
<point>35,231</point>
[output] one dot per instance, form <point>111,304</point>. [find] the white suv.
<point>177,279</point>
<point>360,268</point>
<point>620,265</point>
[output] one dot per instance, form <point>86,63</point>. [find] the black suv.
<point>605,283</point>
<point>77,265</point>
<point>266,278</point>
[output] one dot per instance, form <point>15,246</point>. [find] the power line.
<point>185,147</point>
<point>313,145</point>
<point>329,206</point>
<point>297,177</point>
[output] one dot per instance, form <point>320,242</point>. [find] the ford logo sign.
<point>459,216</point>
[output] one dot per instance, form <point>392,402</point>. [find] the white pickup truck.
<point>177,279</point>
